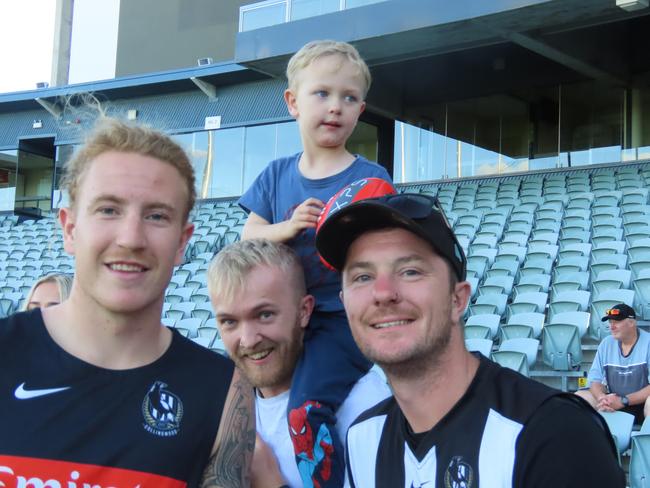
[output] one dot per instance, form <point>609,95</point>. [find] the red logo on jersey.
<point>24,472</point>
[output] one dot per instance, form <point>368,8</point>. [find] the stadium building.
<point>529,119</point>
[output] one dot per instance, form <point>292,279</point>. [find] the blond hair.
<point>229,268</point>
<point>317,49</point>
<point>111,134</point>
<point>63,284</point>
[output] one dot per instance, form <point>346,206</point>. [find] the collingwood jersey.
<point>474,445</point>
<point>67,423</point>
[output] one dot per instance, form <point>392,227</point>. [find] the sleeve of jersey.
<point>596,370</point>
<point>566,445</point>
<point>257,197</point>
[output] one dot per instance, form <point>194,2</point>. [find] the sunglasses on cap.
<point>612,311</point>
<point>417,207</point>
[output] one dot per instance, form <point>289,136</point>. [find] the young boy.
<point>328,82</point>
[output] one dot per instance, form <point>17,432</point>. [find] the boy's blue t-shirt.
<point>279,189</point>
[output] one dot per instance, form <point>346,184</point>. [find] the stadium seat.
<point>542,250</point>
<point>642,289</point>
<point>607,248</point>
<point>537,265</point>
<point>605,234</point>
<point>191,324</point>
<point>569,301</point>
<point>578,319</point>
<point>500,268</point>
<point>181,310</point>
<point>528,302</point>
<point>639,265</point>
<point>533,320</point>
<point>511,252</point>
<point>202,312</point>
<point>639,472</point>
<point>640,250</point>
<point>574,250</point>
<point>544,237</point>
<point>497,284</point>
<point>561,348</point>
<point>524,345</point>
<point>515,331</point>
<point>620,425</point>
<point>534,282</point>
<point>571,265</point>
<point>611,279</point>
<point>612,261</point>
<point>486,253</point>
<point>477,332</point>
<point>491,321</point>
<point>484,346</point>
<point>491,304</point>
<point>511,359</point>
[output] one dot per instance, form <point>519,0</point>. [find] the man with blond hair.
<point>96,390</point>
<point>262,307</point>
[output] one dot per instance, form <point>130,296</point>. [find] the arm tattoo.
<point>229,464</point>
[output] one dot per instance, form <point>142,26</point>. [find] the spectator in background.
<point>619,377</point>
<point>48,290</point>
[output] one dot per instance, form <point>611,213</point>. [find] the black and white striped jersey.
<point>506,431</point>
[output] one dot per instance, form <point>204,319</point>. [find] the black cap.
<point>619,312</point>
<point>411,211</point>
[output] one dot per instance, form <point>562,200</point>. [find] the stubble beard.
<point>286,362</point>
<point>422,356</point>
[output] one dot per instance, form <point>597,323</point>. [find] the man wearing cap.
<point>456,419</point>
<point>619,377</point>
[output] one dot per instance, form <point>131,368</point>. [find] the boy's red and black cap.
<point>619,312</point>
<point>415,212</point>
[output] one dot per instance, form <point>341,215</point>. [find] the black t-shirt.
<point>506,431</point>
<point>65,420</point>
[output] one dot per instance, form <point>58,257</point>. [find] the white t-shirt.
<point>272,425</point>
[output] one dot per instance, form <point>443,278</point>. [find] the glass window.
<point>196,145</point>
<point>8,167</point>
<point>259,150</point>
<point>264,15</point>
<point>592,123</point>
<point>227,161</point>
<point>34,182</point>
<point>360,3</point>
<point>288,139</point>
<point>363,141</point>
<point>301,9</point>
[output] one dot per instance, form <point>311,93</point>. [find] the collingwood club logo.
<point>162,411</point>
<point>459,474</point>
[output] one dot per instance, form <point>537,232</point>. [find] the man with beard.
<point>258,292</point>
<point>456,419</point>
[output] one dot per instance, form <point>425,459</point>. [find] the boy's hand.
<point>305,216</point>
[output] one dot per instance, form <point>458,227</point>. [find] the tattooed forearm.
<point>229,465</point>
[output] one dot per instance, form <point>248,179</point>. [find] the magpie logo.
<point>459,474</point>
<point>162,411</point>
<point>22,393</point>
